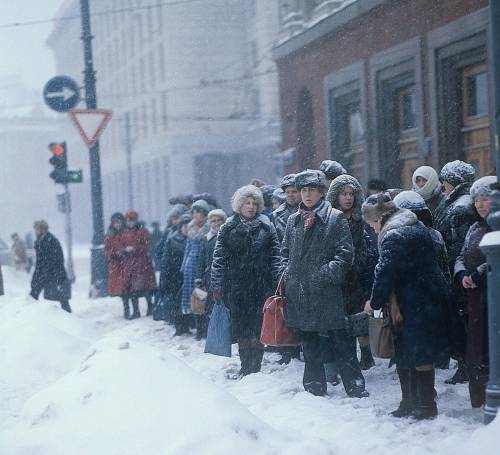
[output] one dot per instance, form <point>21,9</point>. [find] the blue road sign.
<point>61,93</point>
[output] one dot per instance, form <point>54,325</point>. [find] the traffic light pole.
<point>98,262</point>
<point>69,234</point>
<point>490,244</point>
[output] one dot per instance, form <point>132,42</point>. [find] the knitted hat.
<point>310,177</point>
<point>117,216</point>
<point>377,206</point>
<point>200,206</point>
<point>410,200</point>
<point>287,180</point>
<point>482,186</point>
<point>217,213</point>
<point>132,215</point>
<point>457,172</point>
<point>332,169</point>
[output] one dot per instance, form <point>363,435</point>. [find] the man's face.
<point>310,196</point>
<point>131,222</point>
<point>346,198</point>
<point>447,188</point>
<point>292,196</point>
<point>38,232</point>
<point>199,217</point>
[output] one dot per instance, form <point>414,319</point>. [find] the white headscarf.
<point>429,189</point>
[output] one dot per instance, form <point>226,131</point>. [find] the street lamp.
<point>490,244</point>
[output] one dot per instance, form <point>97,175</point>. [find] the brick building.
<point>385,85</point>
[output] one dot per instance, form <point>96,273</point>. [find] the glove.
<point>217,295</point>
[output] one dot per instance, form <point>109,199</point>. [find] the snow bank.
<point>129,398</point>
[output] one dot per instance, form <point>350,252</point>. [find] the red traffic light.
<point>56,149</point>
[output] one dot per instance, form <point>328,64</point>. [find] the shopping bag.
<point>381,337</point>
<point>275,331</point>
<point>219,331</point>
<point>199,301</point>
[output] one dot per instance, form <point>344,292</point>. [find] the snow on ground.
<point>91,382</point>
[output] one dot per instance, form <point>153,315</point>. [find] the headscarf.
<point>429,189</point>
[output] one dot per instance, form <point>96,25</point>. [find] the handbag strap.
<point>280,290</point>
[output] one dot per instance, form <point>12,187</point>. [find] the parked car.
<point>5,257</point>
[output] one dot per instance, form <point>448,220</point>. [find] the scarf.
<point>211,234</point>
<point>309,217</point>
<point>250,224</point>
<point>429,189</point>
<point>197,232</point>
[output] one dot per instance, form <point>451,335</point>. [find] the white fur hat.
<point>245,192</point>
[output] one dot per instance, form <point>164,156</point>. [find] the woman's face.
<point>483,206</point>
<point>215,223</point>
<point>131,222</point>
<point>376,226</point>
<point>249,208</point>
<point>346,198</point>
<point>420,181</point>
<point>117,224</point>
<point>199,217</point>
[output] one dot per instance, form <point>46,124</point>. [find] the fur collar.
<point>398,219</point>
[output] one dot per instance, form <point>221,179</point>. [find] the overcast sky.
<point>23,49</point>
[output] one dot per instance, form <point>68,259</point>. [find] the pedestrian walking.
<point>245,270</point>
<point>453,218</point>
<point>471,272</point>
<point>50,275</point>
<point>408,269</point>
<point>19,255</point>
<point>138,273</point>
<point>346,194</point>
<point>114,252</point>
<point>317,253</point>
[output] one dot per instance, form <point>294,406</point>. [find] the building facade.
<point>199,86</point>
<point>384,86</point>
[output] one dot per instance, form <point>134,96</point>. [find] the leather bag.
<point>275,331</point>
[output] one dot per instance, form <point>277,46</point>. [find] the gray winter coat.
<point>316,263</point>
<point>280,218</point>
<point>453,218</point>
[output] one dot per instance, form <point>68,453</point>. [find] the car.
<point>5,256</point>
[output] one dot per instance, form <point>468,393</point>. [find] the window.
<point>407,108</point>
<point>154,117</point>
<point>477,94</point>
<point>356,130</point>
<point>164,111</point>
<point>161,62</point>
<point>152,72</point>
<point>144,121</point>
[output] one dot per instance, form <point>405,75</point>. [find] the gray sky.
<point>23,49</point>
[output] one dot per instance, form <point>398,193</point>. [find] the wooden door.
<point>476,122</point>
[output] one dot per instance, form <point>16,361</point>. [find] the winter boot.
<point>150,305</point>
<point>426,406</point>
<point>256,359</point>
<point>408,384</point>
<point>460,376</point>
<point>65,306</point>
<point>126,309</point>
<point>366,361</point>
<point>135,306</point>
<point>316,388</point>
<point>246,361</point>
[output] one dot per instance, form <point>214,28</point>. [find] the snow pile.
<point>129,398</point>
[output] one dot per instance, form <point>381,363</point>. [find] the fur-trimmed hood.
<point>399,219</point>
<point>377,206</point>
<point>336,188</point>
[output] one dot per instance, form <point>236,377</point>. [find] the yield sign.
<point>90,123</point>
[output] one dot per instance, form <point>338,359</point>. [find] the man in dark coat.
<point>317,253</point>
<point>453,218</point>
<point>346,195</point>
<point>50,274</point>
<point>171,276</point>
<point>156,236</point>
<point>408,270</point>
<point>291,205</point>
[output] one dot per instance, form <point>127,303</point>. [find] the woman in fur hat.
<point>346,194</point>
<point>245,270</point>
<point>408,268</point>
<point>470,271</point>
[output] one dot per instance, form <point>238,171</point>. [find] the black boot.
<point>126,308</point>
<point>65,306</point>
<point>426,406</point>
<point>408,384</point>
<point>150,305</point>
<point>256,359</point>
<point>246,361</point>
<point>366,361</point>
<point>135,306</point>
<point>460,376</point>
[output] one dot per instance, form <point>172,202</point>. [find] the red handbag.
<point>275,331</point>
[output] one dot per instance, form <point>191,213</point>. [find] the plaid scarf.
<point>309,218</point>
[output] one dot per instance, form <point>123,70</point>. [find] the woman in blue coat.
<point>408,268</point>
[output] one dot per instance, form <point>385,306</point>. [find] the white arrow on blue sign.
<point>61,93</point>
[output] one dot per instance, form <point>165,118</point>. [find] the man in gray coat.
<point>317,253</point>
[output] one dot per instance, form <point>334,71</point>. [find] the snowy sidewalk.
<point>92,383</point>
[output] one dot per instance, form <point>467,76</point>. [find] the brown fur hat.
<point>377,206</point>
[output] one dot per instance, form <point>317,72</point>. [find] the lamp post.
<point>490,244</point>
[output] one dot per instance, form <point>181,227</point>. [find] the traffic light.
<point>59,160</point>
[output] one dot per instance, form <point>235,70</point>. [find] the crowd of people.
<point>339,254</point>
